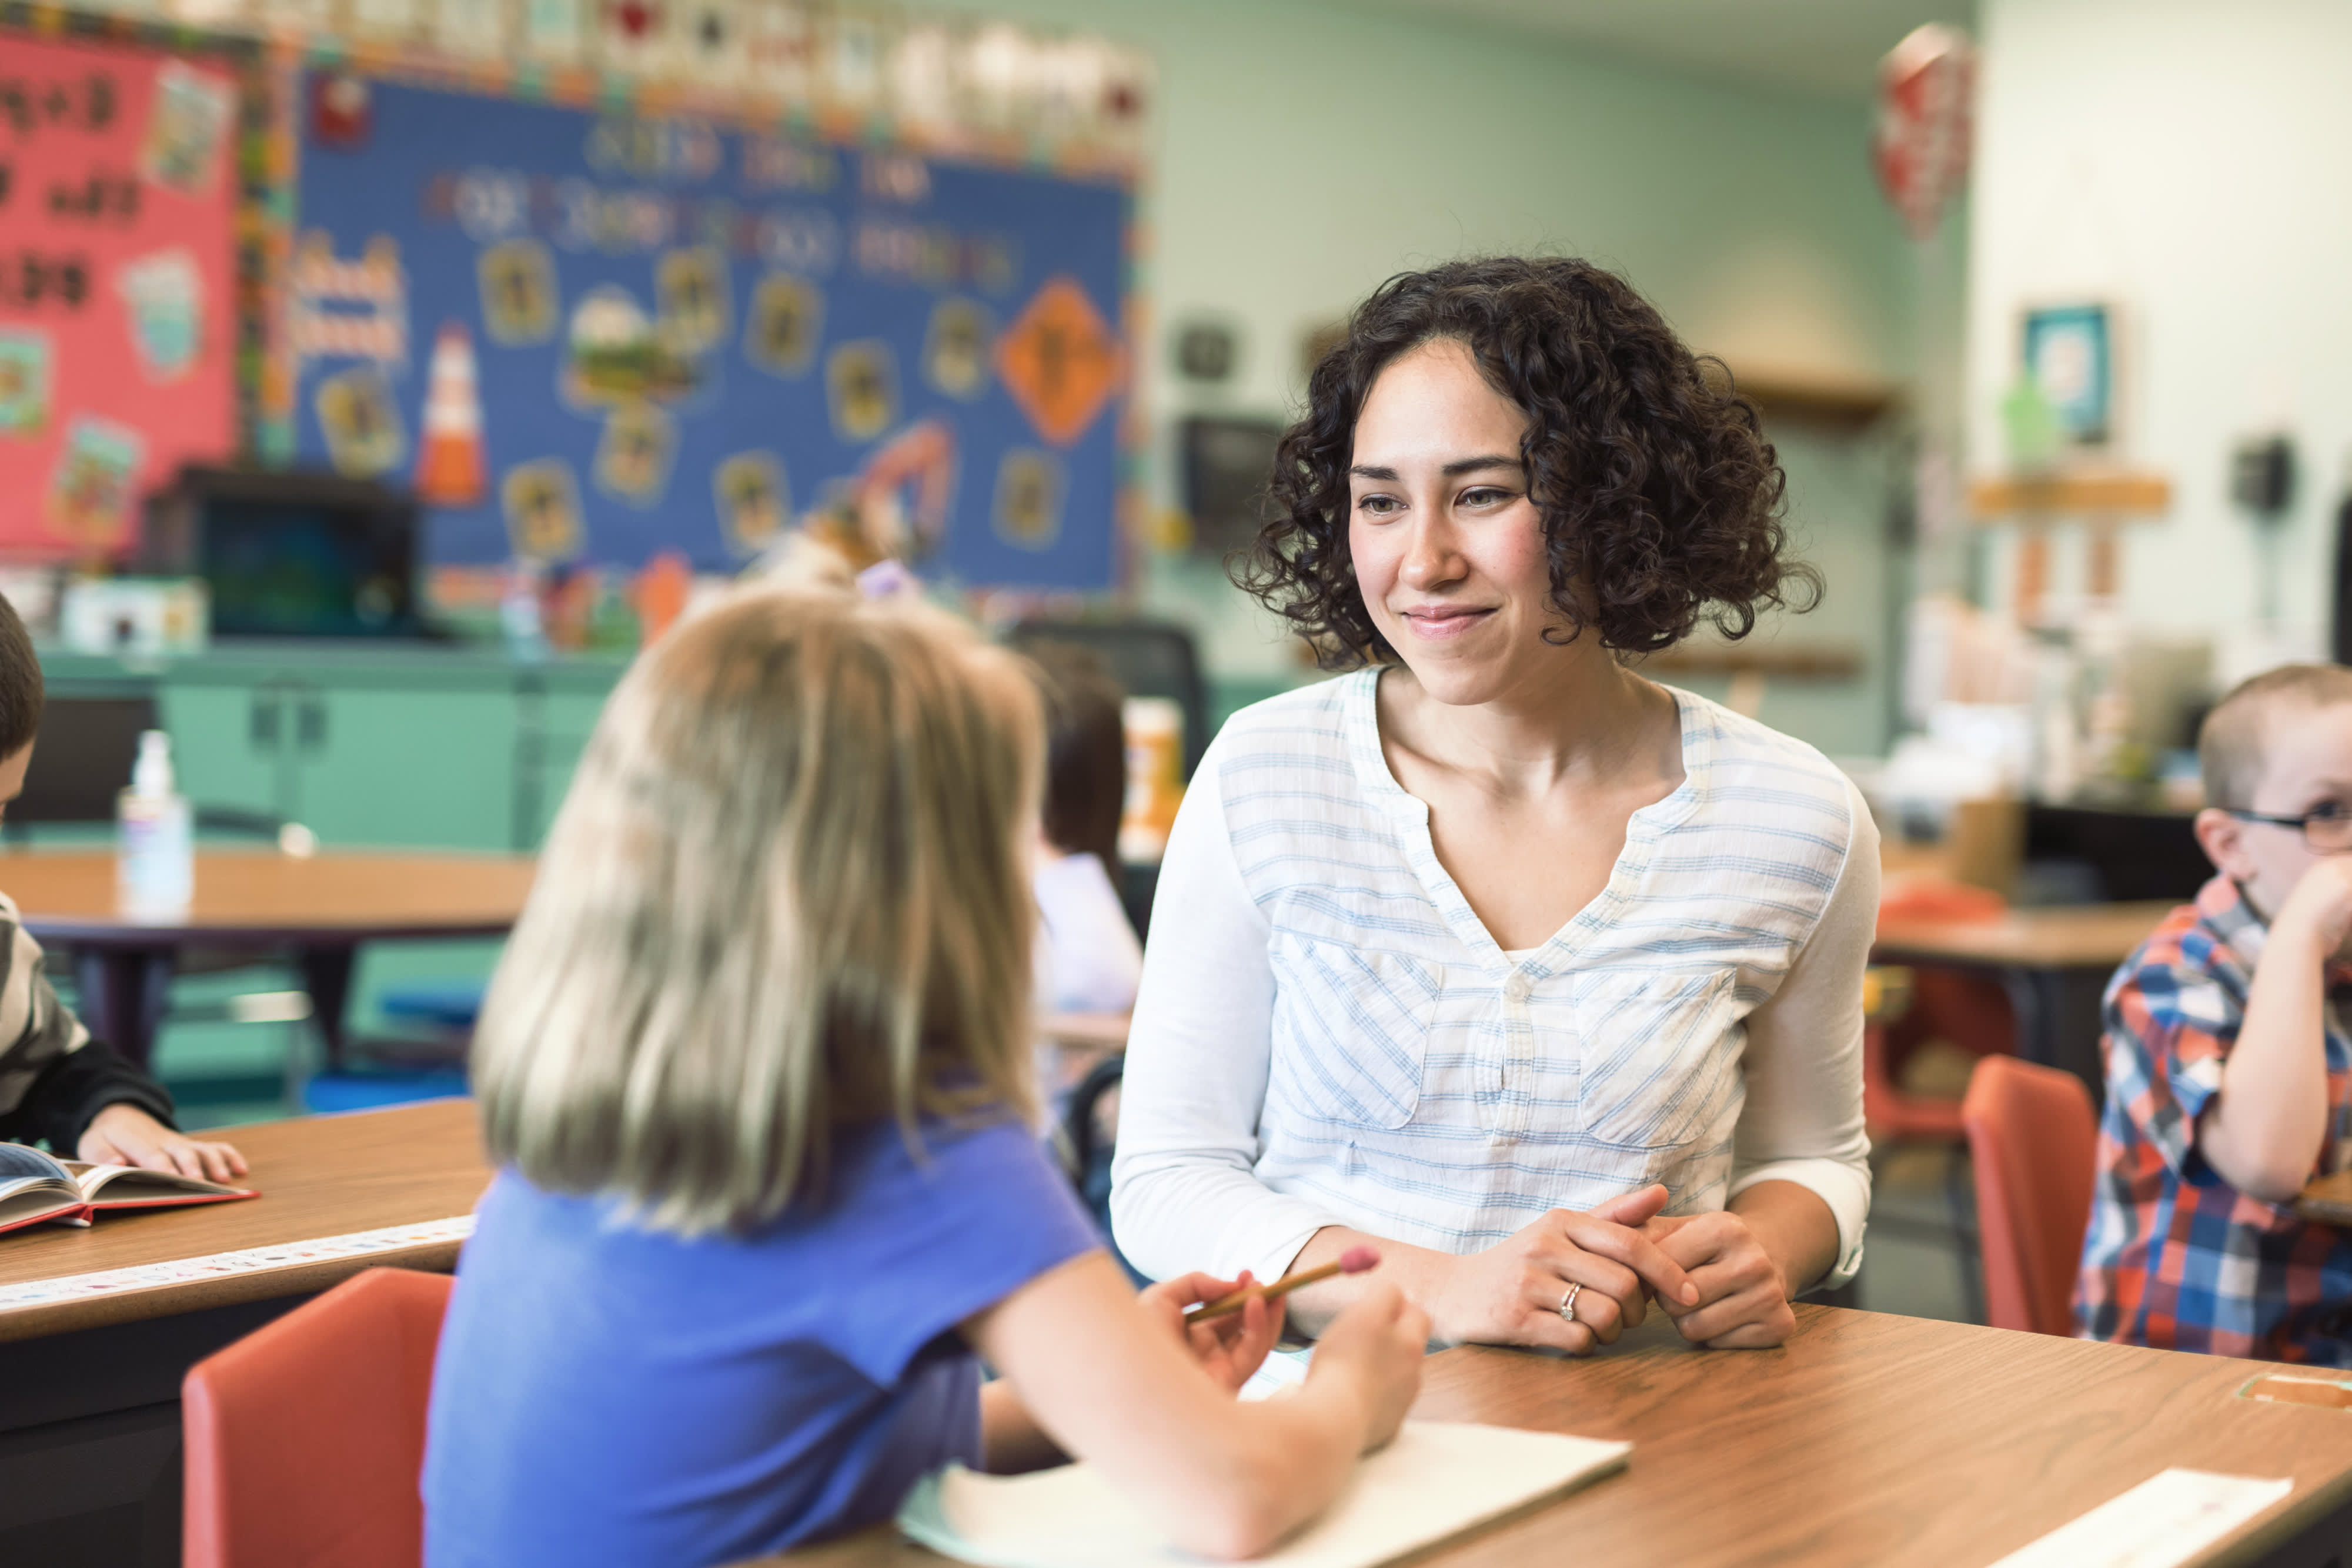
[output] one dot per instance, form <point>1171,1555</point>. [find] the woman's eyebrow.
<point>1455,469</point>
<point>1471,464</point>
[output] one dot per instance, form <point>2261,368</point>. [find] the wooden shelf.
<point>1803,661</point>
<point>1841,404</point>
<point>2106,494</point>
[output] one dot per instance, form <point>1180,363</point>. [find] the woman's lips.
<point>1436,625</point>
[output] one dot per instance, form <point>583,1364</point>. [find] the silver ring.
<point>1568,1304</point>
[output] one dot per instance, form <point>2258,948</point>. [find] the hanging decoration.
<point>1925,86</point>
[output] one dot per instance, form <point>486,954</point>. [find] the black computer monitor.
<point>290,555</point>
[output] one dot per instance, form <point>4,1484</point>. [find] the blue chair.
<point>453,1005</point>
<point>372,1089</point>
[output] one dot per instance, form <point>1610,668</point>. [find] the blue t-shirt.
<point>611,1394</point>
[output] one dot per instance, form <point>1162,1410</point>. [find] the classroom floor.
<point>237,1044</point>
<point>1911,1265</point>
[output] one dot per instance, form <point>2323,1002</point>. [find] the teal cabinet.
<point>372,747</point>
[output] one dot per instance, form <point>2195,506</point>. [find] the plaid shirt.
<point>2175,1257</point>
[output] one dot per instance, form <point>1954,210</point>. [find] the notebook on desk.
<point>1438,1481</point>
<point>35,1187</point>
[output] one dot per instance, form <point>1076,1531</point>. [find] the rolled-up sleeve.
<point>1803,1119</point>
<point>1183,1195</point>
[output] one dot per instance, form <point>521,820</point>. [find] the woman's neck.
<point>1582,717</point>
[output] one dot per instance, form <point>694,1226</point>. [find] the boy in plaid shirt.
<point>2228,1060</point>
<point>57,1085</point>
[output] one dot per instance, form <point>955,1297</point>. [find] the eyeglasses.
<point>2327,831</point>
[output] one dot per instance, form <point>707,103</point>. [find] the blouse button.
<point>1516,988</point>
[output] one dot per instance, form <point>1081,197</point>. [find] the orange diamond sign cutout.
<point>1060,360</point>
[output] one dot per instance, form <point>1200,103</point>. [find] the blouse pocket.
<point>1351,1032</point>
<point>1658,1054</point>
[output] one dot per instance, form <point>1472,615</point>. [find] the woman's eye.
<point>1378,505</point>
<point>2327,810</point>
<point>1484,496</point>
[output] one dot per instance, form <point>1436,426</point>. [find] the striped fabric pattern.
<point>36,1029</point>
<point>1424,1085</point>
<point>2174,1256</point>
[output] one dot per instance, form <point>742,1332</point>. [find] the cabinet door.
<point>224,742</point>
<point>405,767</point>
<point>553,735</point>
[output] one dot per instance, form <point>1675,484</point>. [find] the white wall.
<point>1309,150</point>
<point>2189,160</point>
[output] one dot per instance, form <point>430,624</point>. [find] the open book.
<point>35,1187</point>
<point>1438,1481</point>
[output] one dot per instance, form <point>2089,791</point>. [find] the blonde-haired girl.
<point>754,1069</point>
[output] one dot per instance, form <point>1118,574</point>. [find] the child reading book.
<point>37,1187</point>
<point>755,1070</point>
<point>2228,1063</point>
<point>57,1085</point>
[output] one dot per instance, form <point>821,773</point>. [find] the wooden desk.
<point>1868,1439</point>
<point>2054,962</point>
<point>100,1376</point>
<point>319,908</point>
<point>2067,936</point>
<point>2328,1201</point>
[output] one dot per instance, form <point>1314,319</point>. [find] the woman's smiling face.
<point>1448,546</point>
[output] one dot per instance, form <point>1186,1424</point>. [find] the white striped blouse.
<point>1327,1035</point>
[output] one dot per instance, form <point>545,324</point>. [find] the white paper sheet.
<point>1435,1481</point>
<point>2166,1519</point>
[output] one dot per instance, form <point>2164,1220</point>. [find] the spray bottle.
<point>155,859</point>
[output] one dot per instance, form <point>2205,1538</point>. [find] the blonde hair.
<point>786,892</point>
<point>2230,744</point>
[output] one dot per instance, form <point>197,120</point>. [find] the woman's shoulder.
<point>1746,769</point>
<point>1307,727</point>
<point>1315,712</point>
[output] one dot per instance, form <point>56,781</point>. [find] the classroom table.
<point>89,1387</point>
<point>2327,1199</point>
<point>318,908</point>
<point>1867,1440</point>
<point>2054,964</point>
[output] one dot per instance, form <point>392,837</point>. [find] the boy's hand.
<point>1230,1348</point>
<point>2321,905</point>
<point>124,1134</point>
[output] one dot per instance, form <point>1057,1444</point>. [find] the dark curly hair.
<point>1659,495</point>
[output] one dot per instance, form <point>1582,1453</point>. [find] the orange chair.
<point>2034,1137</point>
<point>305,1437</point>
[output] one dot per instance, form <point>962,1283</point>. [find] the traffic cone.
<point>449,467</point>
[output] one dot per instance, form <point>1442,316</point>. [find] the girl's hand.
<point>1510,1293</point>
<point>1229,1348</point>
<point>1743,1298</point>
<point>124,1134</point>
<point>1377,1343</point>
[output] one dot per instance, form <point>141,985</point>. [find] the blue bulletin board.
<point>594,336</point>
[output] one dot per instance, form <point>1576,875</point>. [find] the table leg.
<point>2059,1020</point>
<point>327,975</point>
<point>123,993</point>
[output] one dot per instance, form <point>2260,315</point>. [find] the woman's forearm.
<point>1418,1271</point>
<point>1795,1229</point>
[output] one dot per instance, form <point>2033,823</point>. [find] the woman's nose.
<point>1431,560</point>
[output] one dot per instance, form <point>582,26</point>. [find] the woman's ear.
<point>2224,839</point>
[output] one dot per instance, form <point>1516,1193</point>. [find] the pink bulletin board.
<point>119,322</point>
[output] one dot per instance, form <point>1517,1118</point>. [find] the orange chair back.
<point>2033,1134</point>
<point>305,1437</point>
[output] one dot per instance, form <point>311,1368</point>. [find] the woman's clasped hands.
<point>1604,1266</point>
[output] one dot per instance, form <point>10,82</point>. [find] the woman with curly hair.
<point>1545,974</point>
